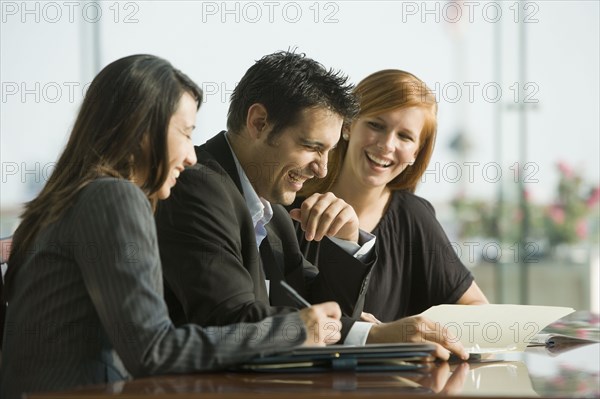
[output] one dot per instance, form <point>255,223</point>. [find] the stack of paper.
<point>494,328</point>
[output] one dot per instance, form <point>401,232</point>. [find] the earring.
<point>345,136</point>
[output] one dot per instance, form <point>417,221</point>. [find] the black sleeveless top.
<point>416,266</point>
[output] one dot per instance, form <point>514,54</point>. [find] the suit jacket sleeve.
<point>339,276</point>
<point>122,274</point>
<point>210,260</point>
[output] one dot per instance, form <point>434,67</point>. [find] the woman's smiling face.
<point>382,146</point>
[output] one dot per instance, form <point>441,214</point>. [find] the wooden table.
<point>536,372</point>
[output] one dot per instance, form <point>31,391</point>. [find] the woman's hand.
<point>418,329</point>
<point>322,323</point>
<point>364,316</point>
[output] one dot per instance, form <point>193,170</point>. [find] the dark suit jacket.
<point>212,267</point>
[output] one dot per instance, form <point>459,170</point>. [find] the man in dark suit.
<point>225,240</point>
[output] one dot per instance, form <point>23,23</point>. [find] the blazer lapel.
<point>221,152</point>
<point>271,251</point>
<point>275,249</point>
<point>274,273</point>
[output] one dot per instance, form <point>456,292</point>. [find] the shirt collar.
<point>260,209</point>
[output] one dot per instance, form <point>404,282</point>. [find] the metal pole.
<point>524,234</point>
<point>497,130</point>
<point>90,47</point>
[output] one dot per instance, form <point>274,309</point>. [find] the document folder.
<point>373,357</point>
<point>555,343</point>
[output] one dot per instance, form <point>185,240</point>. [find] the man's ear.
<point>256,121</point>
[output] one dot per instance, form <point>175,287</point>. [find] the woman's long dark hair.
<point>120,131</point>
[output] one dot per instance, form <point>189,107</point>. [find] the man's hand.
<point>322,323</point>
<point>326,214</point>
<point>418,329</point>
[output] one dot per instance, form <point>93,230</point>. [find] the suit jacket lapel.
<point>272,261</point>
<point>221,152</point>
<point>276,249</point>
<point>273,268</point>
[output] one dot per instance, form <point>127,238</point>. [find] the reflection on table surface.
<point>536,372</point>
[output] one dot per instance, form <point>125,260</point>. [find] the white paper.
<point>494,328</point>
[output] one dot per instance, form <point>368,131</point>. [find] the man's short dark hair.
<point>286,83</point>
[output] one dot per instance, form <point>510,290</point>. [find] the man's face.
<point>298,153</point>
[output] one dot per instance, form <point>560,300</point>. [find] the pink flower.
<point>594,197</point>
<point>581,229</point>
<point>565,169</point>
<point>518,215</point>
<point>557,214</point>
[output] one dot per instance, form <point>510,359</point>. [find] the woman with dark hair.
<point>84,280</point>
<point>376,168</point>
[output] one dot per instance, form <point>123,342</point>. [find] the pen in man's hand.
<point>303,303</point>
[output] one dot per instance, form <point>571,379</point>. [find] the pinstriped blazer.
<point>87,307</point>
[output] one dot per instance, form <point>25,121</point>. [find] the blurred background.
<point>515,174</point>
